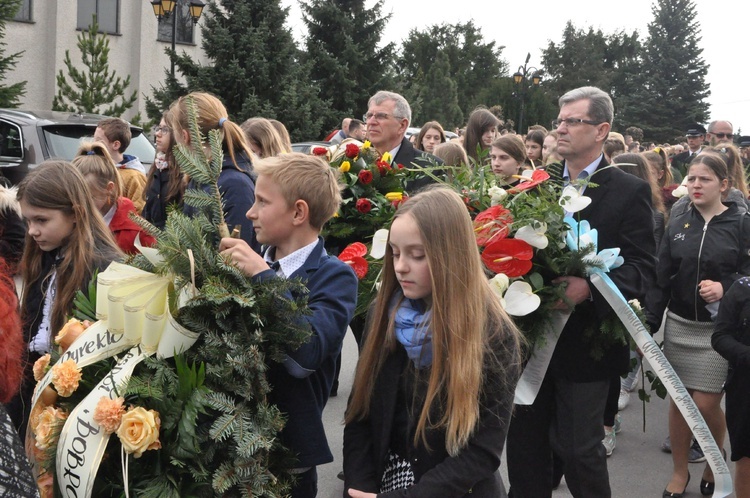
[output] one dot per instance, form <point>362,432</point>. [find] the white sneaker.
<point>609,441</point>
<point>623,400</point>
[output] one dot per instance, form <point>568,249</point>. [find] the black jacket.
<point>410,158</point>
<point>472,473</point>
<point>691,251</point>
<point>155,209</point>
<point>731,338</point>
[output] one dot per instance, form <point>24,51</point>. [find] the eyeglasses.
<point>569,122</point>
<point>377,116</point>
<point>722,135</point>
<point>162,129</point>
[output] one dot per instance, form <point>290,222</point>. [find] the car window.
<point>63,142</point>
<point>10,140</point>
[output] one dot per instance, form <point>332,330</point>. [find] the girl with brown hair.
<point>165,182</point>
<point>433,390</point>
<point>67,240</point>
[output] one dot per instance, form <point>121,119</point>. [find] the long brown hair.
<point>60,186</point>
<point>466,319</point>
<point>430,125</point>
<point>212,115</point>
<point>480,120</point>
<point>262,133</point>
<point>175,177</point>
<point>734,165</point>
<point>637,165</point>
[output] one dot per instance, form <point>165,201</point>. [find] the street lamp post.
<point>164,8</point>
<point>521,80</point>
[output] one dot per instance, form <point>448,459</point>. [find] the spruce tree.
<point>9,94</point>
<point>255,68</point>
<point>439,96</point>
<point>90,89</point>
<point>342,49</point>
<point>671,91</point>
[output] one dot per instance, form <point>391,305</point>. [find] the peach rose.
<point>139,431</point>
<point>48,425</point>
<point>108,413</point>
<point>65,377</point>
<point>40,367</point>
<point>69,333</point>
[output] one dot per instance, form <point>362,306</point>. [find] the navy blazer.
<point>621,212</point>
<point>301,385</point>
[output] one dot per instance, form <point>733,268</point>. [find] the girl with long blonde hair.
<point>433,391</point>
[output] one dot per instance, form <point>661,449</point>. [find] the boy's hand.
<point>576,291</point>
<point>360,494</point>
<point>239,252</point>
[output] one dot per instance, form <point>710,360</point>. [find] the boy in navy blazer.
<point>295,194</point>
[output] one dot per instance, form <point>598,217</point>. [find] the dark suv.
<point>29,137</point>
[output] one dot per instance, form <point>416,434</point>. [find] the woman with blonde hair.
<point>99,171</point>
<point>263,138</point>
<point>283,133</point>
<point>236,181</point>
<point>433,391</point>
<point>452,153</point>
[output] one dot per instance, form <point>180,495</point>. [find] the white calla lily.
<point>499,284</point>
<point>682,190</point>
<point>379,241</point>
<point>497,195</point>
<point>572,201</point>
<point>520,299</point>
<point>533,235</point>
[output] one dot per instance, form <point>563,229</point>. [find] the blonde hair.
<point>93,159</point>
<point>307,178</point>
<point>212,115</point>
<point>283,133</point>
<point>466,324</point>
<point>262,133</point>
<point>452,153</point>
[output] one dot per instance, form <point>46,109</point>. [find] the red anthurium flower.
<point>319,151</point>
<point>363,205</point>
<point>351,151</point>
<point>353,256</point>
<point>400,166</point>
<point>365,176</point>
<point>537,177</point>
<point>492,224</point>
<point>509,256</point>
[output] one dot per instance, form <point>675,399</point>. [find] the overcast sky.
<point>527,27</point>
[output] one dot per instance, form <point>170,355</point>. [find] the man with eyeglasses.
<point>720,132</point>
<point>567,416</point>
<point>387,119</point>
<point>695,136</point>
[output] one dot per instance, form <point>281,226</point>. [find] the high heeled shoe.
<point>669,494</point>
<point>707,488</point>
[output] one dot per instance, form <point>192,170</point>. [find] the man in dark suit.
<point>567,415</point>
<point>695,136</point>
<point>388,117</point>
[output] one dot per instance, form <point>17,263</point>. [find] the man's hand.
<point>710,291</point>
<point>240,253</point>
<point>360,494</point>
<point>576,291</point>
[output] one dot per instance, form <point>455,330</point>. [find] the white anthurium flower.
<point>681,191</point>
<point>607,258</point>
<point>572,201</point>
<point>533,235</point>
<point>497,195</point>
<point>499,284</point>
<point>379,241</point>
<point>520,300</point>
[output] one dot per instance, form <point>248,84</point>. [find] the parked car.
<point>29,137</point>
<point>307,147</point>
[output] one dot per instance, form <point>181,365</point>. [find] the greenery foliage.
<point>9,94</point>
<point>94,89</point>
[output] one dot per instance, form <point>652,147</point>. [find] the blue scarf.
<point>411,324</point>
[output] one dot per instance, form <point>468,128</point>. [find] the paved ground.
<point>637,468</point>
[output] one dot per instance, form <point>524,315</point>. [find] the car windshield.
<point>63,142</point>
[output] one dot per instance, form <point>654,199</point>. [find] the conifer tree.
<point>255,68</point>
<point>346,60</point>
<point>671,92</point>
<point>9,94</point>
<point>439,96</point>
<point>92,89</point>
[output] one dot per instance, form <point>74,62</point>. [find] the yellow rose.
<point>47,426</point>
<point>345,166</point>
<point>366,145</point>
<point>139,431</point>
<point>394,196</point>
<point>386,158</point>
<point>40,367</point>
<point>65,377</point>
